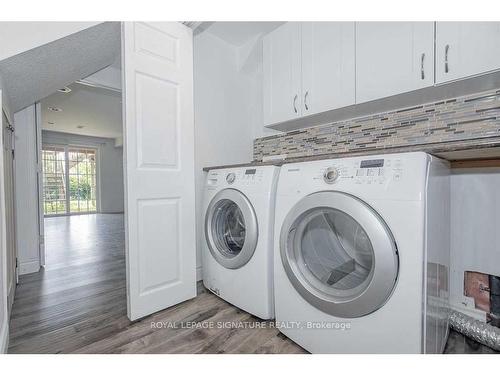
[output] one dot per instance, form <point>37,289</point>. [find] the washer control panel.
<point>239,177</point>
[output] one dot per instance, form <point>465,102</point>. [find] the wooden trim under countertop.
<point>475,163</point>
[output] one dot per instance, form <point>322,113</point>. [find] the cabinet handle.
<point>294,103</point>
<point>446,67</point>
<point>422,73</point>
<point>305,100</point>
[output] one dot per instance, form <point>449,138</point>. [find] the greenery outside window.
<point>69,180</point>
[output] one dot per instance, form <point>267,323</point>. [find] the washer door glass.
<point>228,228</point>
<point>231,228</point>
<point>339,254</point>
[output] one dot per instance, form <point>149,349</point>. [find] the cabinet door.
<point>464,49</point>
<point>281,82</point>
<point>392,58</point>
<point>328,66</point>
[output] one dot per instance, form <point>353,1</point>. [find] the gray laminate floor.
<point>77,304</point>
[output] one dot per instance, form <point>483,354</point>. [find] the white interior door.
<point>157,68</point>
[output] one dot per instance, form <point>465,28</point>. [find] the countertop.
<point>488,148</point>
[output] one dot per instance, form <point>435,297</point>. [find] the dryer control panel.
<point>361,172</point>
<point>396,176</point>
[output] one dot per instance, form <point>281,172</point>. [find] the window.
<point>54,180</point>
<point>69,180</point>
<point>82,180</point>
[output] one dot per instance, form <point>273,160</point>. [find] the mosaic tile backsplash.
<point>469,117</point>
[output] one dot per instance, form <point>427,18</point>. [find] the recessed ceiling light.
<point>54,109</point>
<point>80,126</point>
<point>65,90</point>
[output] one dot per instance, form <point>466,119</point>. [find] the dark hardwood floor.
<point>77,304</point>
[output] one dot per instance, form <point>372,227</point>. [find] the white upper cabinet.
<point>393,58</point>
<point>465,49</point>
<point>281,69</point>
<point>317,67</point>
<point>328,66</point>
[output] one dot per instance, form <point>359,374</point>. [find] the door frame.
<point>4,324</point>
<point>39,180</point>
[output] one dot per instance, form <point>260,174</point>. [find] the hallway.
<point>81,288</point>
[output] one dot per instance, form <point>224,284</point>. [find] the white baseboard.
<point>10,295</point>
<point>29,267</point>
<point>199,274</point>
<point>4,336</point>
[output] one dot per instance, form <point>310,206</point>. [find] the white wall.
<point>110,166</point>
<point>475,225</point>
<point>226,108</point>
<point>25,177</point>
<point>17,37</point>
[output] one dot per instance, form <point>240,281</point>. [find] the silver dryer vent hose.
<point>482,332</point>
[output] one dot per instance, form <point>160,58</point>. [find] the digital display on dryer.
<point>250,171</point>
<point>374,163</point>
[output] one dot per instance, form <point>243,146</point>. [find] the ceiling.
<point>98,110</point>
<point>239,33</point>
<point>34,74</point>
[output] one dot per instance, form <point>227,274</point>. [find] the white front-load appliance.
<point>362,254</point>
<point>237,251</point>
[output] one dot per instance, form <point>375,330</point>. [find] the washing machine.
<point>362,254</point>
<point>237,252</point>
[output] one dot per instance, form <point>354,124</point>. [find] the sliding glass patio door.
<point>69,180</point>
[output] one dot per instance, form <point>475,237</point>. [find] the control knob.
<point>230,178</point>
<point>331,175</point>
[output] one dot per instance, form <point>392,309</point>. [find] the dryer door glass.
<point>334,251</point>
<point>339,254</point>
<point>231,228</point>
<point>228,228</point>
